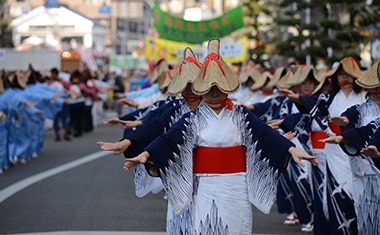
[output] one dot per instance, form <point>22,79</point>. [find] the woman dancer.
<point>219,158</point>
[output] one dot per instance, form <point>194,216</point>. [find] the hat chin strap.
<point>226,102</point>
<point>192,98</point>
<point>345,83</point>
<point>267,91</point>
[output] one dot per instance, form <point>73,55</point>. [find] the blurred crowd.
<point>70,104</point>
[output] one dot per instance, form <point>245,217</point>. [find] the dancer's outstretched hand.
<point>112,121</point>
<point>298,155</point>
<point>275,123</point>
<point>129,124</point>
<point>117,147</point>
<point>333,140</point>
<point>127,101</point>
<point>371,151</point>
<point>340,120</point>
<point>139,159</point>
<point>289,93</point>
<point>289,135</point>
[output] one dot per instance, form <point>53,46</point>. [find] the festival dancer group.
<point>215,156</point>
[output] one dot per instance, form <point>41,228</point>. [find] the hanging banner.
<point>172,52</point>
<point>196,32</point>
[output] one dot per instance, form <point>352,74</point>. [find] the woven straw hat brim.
<point>278,73</point>
<point>179,82</point>
<point>370,78</point>
<point>261,81</point>
<point>164,80</point>
<point>254,74</point>
<point>300,75</point>
<point>243,77</point>
<point>349,65</point>
<point>162,67</point>
<point>226,82</point>
<point>188,74</point>
<point>321,77</point>
<point>282,82</point>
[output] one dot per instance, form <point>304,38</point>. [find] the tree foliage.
<point>339,26</point>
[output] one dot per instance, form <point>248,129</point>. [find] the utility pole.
<point>308,21</point>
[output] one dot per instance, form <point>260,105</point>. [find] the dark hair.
<point>76,74</point>
<point>335,87</point>
<point>54,70</point>
<point>311,77</point>
<point>15,83</point>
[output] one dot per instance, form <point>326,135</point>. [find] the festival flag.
<point>196,32</point>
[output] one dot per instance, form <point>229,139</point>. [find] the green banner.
<point>196,32</point>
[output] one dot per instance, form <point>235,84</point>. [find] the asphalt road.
<point>73,188</point>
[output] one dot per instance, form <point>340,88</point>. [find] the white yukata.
<point>247,97</point>
<point>147,101</point>
<point>208,198</point>
<point>337,160</point>
<point>220,202</point>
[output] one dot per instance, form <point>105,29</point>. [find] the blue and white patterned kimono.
<point>163,118</point>
<point>221,203</point>
<point>144,114</point>
<point>338,201</point>
<point>294,189</point>
<point>366,176</point>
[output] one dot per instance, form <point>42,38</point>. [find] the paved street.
<point>73,188</point>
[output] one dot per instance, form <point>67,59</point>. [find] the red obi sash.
<point>219,160</point>
<point>335,128</point>
<point>315,137</point>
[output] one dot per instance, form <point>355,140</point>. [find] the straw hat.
<point>278,73</point>
<point>348,64</point>
<point>21,78</point>
<point>301,75</point>
<point>216,72</point>
<point>164,80</point>
<point>320,75</point>
<point>249,71</point>
<point>159,70</point>
<point>254,75</point>
<point>261,81</point>
<point>282,83</point>
<point>371,77</point>
<point>186,72</point>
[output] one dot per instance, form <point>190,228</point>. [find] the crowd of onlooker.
<point>70,104</point>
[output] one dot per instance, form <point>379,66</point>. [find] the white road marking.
<point>93,233</point>
<point>102,233</point>
<point>22,184</point>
